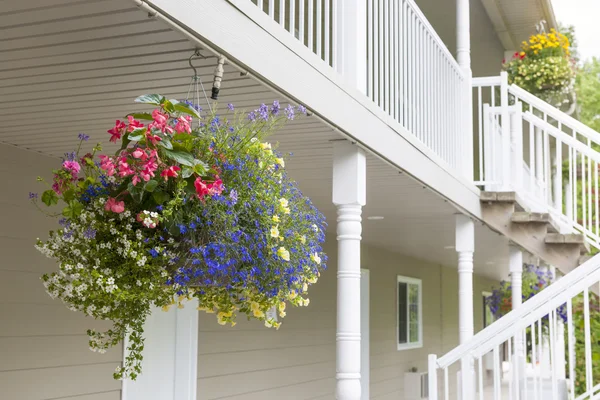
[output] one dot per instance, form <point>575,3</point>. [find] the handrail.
<point>486,81</point>
<point>555,113</point>
<point>435,35</point>
<point>532,310</point>
<point>562,136</point>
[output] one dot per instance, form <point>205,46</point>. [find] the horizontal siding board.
<point>52,351</point>
<point>53,383</point>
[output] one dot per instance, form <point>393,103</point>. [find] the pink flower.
<point>135,180</point>
<point>133,124</point>
<point>106,163</point>
<point>138,153</point>
<point>115,206</point>
<point>201,187</point>
<point>160,121</point>
<point>117,131</point>
<point>183,124</point>
<point>215,188</point>
<point>170,172</point>
<point>154,139</point>
<point>124,168</point>
<point>72,166</point>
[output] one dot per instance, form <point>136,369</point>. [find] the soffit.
<point>515,20</point>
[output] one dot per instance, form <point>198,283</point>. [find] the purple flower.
<point>302,109</point>
<point>289,112</point>
<point>231,107</point>
<point>263,111</point>
<point>83,136</point>
<point>33,195</point>
<point>275,108</point>
<point>70,156</point>
<point>89,233</point>
<point>252,116</point>
<point>233,196</point>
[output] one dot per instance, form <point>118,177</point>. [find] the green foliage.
<point>587,87</point>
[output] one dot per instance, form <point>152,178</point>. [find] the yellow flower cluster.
<point>538,43</point>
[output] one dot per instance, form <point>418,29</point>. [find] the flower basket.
<point>544,67</point>
<point>179,212</point>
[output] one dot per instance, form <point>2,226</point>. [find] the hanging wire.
<point>196,83</point>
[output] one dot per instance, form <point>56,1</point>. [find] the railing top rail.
<point>415,8</point>
<point>556,114</point>
<point>487,81</point>
<point>533,309</point>
<point>562,136</point>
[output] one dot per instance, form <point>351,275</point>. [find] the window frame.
<point>409,345</point>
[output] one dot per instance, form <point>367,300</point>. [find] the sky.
<point>583,14</point>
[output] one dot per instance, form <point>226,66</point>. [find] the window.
<point>410,324</point>
<point>488,317</point>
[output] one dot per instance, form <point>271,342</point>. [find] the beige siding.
<point>298,361</point>
<point>43,346</point>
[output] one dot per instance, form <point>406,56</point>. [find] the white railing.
<point>548,158</point>
<point>312,22</point>
<point>545,360</point>
<point>411,75</point>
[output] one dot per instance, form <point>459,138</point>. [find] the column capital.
<point>349,174</point>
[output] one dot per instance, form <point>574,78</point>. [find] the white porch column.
<point>465,246</point>
<point>170,366</point>
<point>349,194</point>
<point>515,257</point>
<point>463,57</point>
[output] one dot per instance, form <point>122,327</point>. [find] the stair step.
<point>525,217</point>
<point>569,238</point>
<point>502,197</point>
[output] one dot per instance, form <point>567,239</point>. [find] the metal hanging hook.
<point>195,54</point>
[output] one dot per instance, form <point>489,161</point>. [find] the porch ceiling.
<point>515,20</point>
<point>72,66</point>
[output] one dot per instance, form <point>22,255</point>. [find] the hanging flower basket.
<point>180,212</point>
<point>544,67</point>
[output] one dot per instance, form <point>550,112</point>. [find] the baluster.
<point>480,380</point>
<point>534,359</point>
<point>541,359</point>
<point>310,15</point>
<point>571,347</point>
<point>319,30</point>
<point>272,9</point>
<point>381,53</point>
<point>403,88</point>
<point>497,371</point>
<point>386,58</point>
<point>292,17</point>
<point>589,190</point>
<point>511,364</point>
<point>446,386</point>
<point>301,16</point>
<point>589,378</point>
<point>370,52</point>
<point>583,193</point>
<point>597,209</point>
<point>327,28</point>
<point>532,161</point>
<point>259,3</point>
<point>558,178</point>
<point>553,360</point>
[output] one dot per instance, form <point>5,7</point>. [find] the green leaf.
<point>166,143</point>
<point>160,197</point>
<point>186,172</point>
<point>137,134</point>
<point>143,116</point>
<point>200,167</point>
<point>49,197</point>
<point>154,99</point>
<point>68,195</point>
<point>168,106</point>
<point>181,157</point>
<point>185,108</point>
<point>150,185</point>
<point>73,209</point>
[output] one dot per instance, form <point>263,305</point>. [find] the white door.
<point>364,333</point>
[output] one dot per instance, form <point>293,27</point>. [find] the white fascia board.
<point>248,37</point>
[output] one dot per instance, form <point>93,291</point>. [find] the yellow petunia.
<point>283,253</point>
<point>315,257</point>
<point>276,218</point>
<point>275,231</point>
<point>280,162</point>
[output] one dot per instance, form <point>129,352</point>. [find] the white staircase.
<point>546,348</point>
